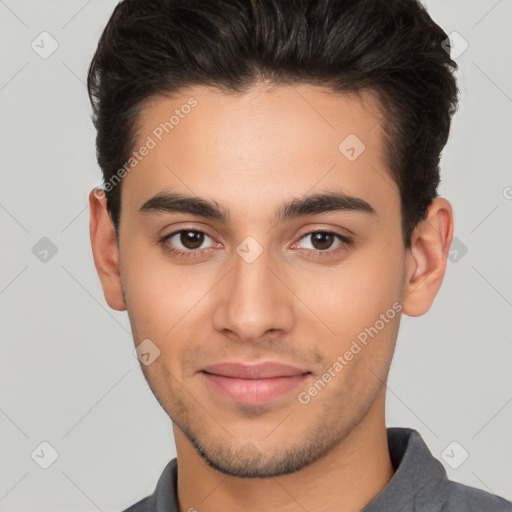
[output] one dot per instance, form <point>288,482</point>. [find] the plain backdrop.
<point>68,374</point>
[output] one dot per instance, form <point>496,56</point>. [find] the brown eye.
<point>322,241</point>
<point>191,239</point>
<point>186,242</point>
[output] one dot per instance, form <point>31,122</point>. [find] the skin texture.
<point>297,303</point>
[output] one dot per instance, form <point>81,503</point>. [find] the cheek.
<point>355,294</point>
<point>360,354</point>
<point>360,303</point>
<point>157,293</point>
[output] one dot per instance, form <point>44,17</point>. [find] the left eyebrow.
<point>322,203</point>
<point>165,202</point>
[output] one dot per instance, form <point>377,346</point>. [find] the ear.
<point>425,262</point>
<point>105,250</point>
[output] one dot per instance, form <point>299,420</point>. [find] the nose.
<point>253,300</point>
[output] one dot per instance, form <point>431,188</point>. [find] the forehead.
<point>260,147</point>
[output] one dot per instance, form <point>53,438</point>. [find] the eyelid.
<point>345,242</point>
<point>333,231</point>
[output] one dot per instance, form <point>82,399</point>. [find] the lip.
<point>253,384</point>
<point>266,370</point>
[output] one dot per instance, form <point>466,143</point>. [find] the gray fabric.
<point>420,484</point>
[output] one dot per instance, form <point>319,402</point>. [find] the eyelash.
<point>196,253</point>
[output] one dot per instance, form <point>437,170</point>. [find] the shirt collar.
<point>420,481</point>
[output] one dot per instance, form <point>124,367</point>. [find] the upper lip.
<point>265,370</point>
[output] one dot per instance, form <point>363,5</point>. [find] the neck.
<point>347,478</point>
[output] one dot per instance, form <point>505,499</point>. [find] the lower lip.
<point>254,391</point>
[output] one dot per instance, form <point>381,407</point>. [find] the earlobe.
<point>426,260</point>
<point>105,250</point>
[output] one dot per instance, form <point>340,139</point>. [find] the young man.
<point>269,211</point>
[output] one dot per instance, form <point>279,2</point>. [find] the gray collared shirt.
<point>420,484</point>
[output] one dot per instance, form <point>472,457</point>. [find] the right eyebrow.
<point>165,202</point>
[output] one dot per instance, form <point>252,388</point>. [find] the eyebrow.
<point>172,202</point>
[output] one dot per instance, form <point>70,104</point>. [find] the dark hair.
<point>390,47</point>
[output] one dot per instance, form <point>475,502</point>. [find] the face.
<point>246,280</point>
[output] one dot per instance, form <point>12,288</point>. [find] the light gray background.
<point>68,376</point>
